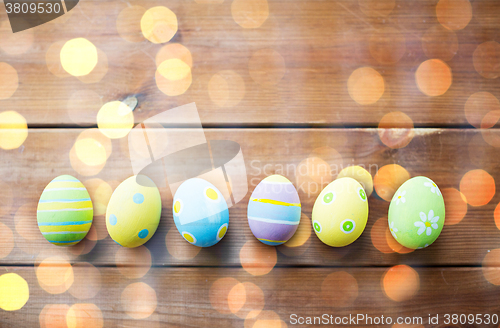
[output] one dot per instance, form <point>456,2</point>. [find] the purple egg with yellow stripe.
<point>65,211</point>
<point>274,210</point>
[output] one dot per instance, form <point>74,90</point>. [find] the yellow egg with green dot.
<point>340,212</point>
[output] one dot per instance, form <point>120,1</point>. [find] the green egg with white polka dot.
<point>417,213</point>
<point>134,211</point>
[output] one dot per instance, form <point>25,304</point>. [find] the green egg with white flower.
<point>416,213</point>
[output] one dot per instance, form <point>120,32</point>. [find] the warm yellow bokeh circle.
<point>174,69</point>
<point>13,130</point>
<point>79,57</point>
<point>115,119</point>
<point>159,24</point>
<point>14,292</point>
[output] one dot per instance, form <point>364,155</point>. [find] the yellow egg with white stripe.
<point>65,211</point>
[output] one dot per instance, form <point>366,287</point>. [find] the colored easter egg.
<point>65,211</point>
<point>200,212</point>
<point>359,174</point>
<point>340,212</point>
<point>134,211</point>
<point>416,213</point>
<point>274,210</point>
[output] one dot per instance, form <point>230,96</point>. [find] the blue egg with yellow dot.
<point>200,212</point>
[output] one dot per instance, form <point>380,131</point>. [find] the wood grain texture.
<point>442,155</point>
<point>184,300</point>
<point>321,43</point>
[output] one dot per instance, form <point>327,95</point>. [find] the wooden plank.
<point>443,155</point>
<point>199,296</point>
<point>321,44</point>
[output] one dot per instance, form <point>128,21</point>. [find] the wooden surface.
<point>307,125</point>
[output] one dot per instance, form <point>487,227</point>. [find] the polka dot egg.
<point>416,213</point>
<point>340,212</point>
<point>134,211</point>
<point>65,211</point>
<point>274,210</point>
<point>200,212</point>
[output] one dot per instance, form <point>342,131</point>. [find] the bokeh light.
<point>172,51</point>
<point>454,14</point>
<point>312,174</point>
<point>496,216</point>
<point>246,300</point>
<point>258,259</point>
<point>400,283</point>
<point>15,43</point>
<point>486,59</point>
<point>7,197</point>
<point>439,42</point>
<point>55,275</point>
<point>250,13</point>
<point>133,263</point>
<point>388,179</point>
<point>177,246</point>
<point>219,293</point>
<point>139,300</point>
<point>387,45</point>
<point>339,289</point>
<point>302,234</point>
<point>478,187</point>
<point>53,59</point>
<point>159,24</point>
<point>365,86</point>
<point>54,316</point>
<point>26,227</point>
<point>84,247</point>
<point>99,71</point>
<point>115,119</point>
<point>79,56</point>
<point>455,204</point>
<point>14,292</point>
<point>265,319</point>
<point>87,281</point>
<point>6,240</point>
<point>394,245</point>
<point>376,8</point>
<point>226,89</point>
<point>378,236</point>
<point>9,81</point>
<point>359,174</point>
<point>433,77</point>
<point>211,2</point>
<point>128,23</point>
<point>84,316</point>
<point>478,106</point>
<point>100,192</point>
<point>491,267</point>
<point>396,130</point>
<point>83,106</point>
<point>13,129</point>
<point>173,77</point>
<point>90,151</point>
<point>267,67</point>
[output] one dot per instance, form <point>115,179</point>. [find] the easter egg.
<point>416,213</point>
<point>274,210</point>
<point>340,212</point>
<point>200,212</point>
<point>134,211</point>
<point>359,174</point>
<point>65,211</point>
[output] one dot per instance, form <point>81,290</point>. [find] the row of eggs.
<point>201,215</point>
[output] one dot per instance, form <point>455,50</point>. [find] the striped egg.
<point>65,211</point>
<point>274,210</point>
